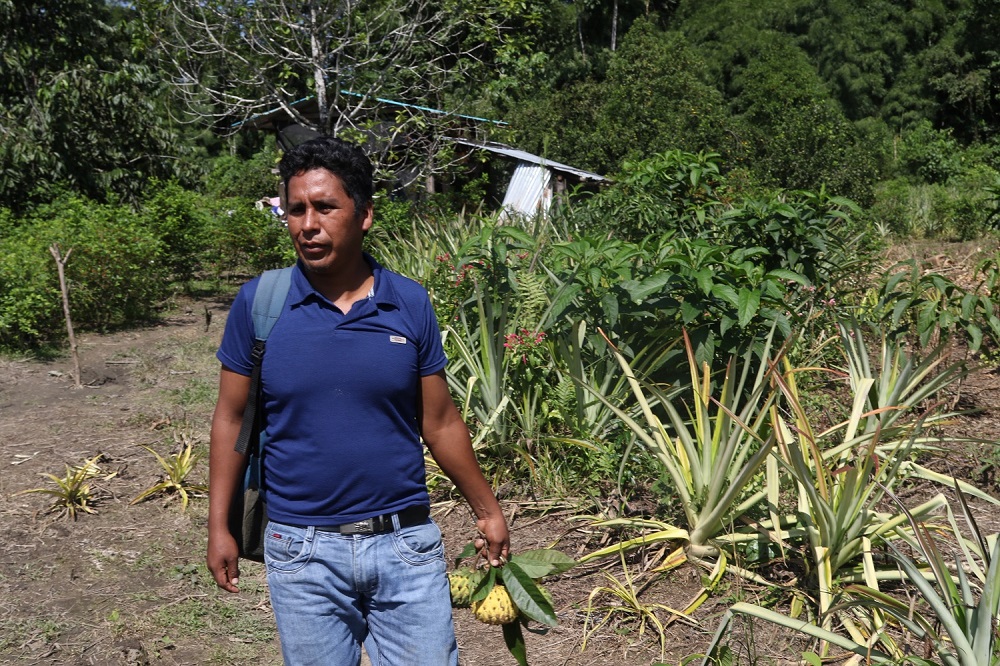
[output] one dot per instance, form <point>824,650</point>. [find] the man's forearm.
<point>225,467</point>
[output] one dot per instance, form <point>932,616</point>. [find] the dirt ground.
<point>127,584</point>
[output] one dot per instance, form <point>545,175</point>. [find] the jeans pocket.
<point>420,544</point>
<point>286,550</point>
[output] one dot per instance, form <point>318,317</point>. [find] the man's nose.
<point>310,220</point>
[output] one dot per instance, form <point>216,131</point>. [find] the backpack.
<point>248,512</point>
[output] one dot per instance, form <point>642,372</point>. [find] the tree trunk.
<point>614,26</point>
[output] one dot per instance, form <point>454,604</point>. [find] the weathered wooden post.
<point>60,266</point>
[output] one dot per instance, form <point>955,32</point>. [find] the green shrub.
<point>890,213</point>
<point>29,292</point>
<point>181,219</point>
<point>393,218</point>
<point>932,155</point>
<point>672,191</point>
<point>7,222</point>
<point>234,177</point>
<point>245,240</point>
<point>115,272</point>
<point>962,209</point>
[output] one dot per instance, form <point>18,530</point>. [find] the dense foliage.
<point>81,109</point>
<point>712,327</point>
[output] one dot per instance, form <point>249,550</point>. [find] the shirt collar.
<point>301,290</point>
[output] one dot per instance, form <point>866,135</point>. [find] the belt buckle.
<point>363,527</point>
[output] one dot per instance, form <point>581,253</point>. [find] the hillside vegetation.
<point>726,358</point>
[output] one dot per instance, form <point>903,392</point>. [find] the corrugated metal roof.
<point>529,192</point>
<point>523,156</point>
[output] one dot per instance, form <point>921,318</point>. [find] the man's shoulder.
<point>404,286</point>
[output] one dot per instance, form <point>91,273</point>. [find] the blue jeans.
<point>332,592</point>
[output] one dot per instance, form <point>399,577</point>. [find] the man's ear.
<point>283,200</point>
<point>368,216</point>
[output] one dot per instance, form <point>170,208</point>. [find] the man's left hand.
<point>494,542</point>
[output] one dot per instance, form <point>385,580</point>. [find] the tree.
<point>78,110</point>
<point>234,58</point>
<point>654,98</point>
<point>794,135</point>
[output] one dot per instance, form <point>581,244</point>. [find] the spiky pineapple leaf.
<point>526,595</point>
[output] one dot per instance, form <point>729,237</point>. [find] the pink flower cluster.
<point>461,274</point>
<point>523,342</point>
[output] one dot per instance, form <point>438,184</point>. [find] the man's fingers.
<point>233,571</point>
<point>227,576</point>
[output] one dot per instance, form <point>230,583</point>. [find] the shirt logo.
<point>397,339</point>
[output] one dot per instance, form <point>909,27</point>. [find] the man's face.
<point>326,229</point>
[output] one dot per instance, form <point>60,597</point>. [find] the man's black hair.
<point>343,159</point>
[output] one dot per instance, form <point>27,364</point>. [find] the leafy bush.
<point>962,209</point>
<point>666,192</point>
<point>806,232</point>
<point>929,307</point>
<point>115,272</point>
<point>725,271</point>
<point>29,292</point>
<point>180,218</point>
<point>930,154</point>
<point>243,239</point>
<point>7,221</point>
<point>232,177</point>
<point>890,212</point>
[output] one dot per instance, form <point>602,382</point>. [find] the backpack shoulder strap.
<point>268,301</point>
<point>272,290</point>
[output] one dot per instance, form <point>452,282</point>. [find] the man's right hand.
<point>225,470</point>
<point>224,561</point>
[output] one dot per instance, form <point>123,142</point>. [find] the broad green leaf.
<point>543,562</point>
<point>894,281</point>
<point>468,551</point>
<point>641,290</point>
<point>561,301</point>
<point>786,274</point>
<point>705,282</point>
<point>726,293</point>
<point>749,304</point>
<point>485,585</point>
<point>513,637</point>
<point>975,335</point>
<point>689,312</point>
<point>610,305</point>
<point>526,595</point>
<point>899,309</point>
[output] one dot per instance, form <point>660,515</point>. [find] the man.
<point>352,380</point>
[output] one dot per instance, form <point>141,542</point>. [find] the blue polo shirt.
<point>340,395</point>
